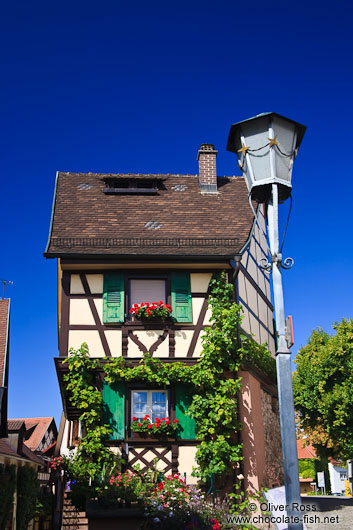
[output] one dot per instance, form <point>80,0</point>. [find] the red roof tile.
<point>86,221</point>
<point>307,451</point>
<point>40,426</point>
<point>4,326</point>
<point>6,449</point>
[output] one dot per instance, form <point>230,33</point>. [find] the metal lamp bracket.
<point>267,266</point>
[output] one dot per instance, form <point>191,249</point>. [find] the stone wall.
<point>273,475</point>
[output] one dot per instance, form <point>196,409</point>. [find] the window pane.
<point>159,405</point>
<point>139,407</point>
<point>147,291</point>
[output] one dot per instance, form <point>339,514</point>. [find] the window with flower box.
<point>142,290</point>
<point>153,403</point>
<point>143,402</point>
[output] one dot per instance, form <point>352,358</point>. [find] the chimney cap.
<point>206,148</point>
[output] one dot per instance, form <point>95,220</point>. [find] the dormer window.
<point>131,185</point>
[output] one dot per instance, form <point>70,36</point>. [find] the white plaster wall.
<point>196,309</point>
<point>64,450</point>
<point>187,462</point>
<point>114,338</point>
<point>91,337</point>
<point>199,282</point>
<point>198,346</point>
<point>98,302</point>
<point>182,342</point>
<point>208,315</point>
<point>76,286</point>
<point>337,484</point>
<point>80,312</point>
<point>95,282</point>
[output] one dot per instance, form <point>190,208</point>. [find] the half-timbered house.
<point>122,239</point>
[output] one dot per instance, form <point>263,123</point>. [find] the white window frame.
<point>149,402</point>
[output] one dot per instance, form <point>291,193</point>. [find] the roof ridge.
<point>142,174</point>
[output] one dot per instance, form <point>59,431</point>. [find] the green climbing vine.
<point>214,379</point>
<point>92,453</point>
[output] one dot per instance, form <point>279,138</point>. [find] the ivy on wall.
<point>27,495</point>
<point>214,379</point>
<point>7,489</point>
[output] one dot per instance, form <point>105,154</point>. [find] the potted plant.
<point>161,428</point>
<point>58,463</point>
<point>117,501</point>
<point>151,311</point>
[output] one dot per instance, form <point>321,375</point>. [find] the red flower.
<point>134,418</point>
<point>176,421</point>
<point>149,426</point>
<point>167,422</point>
<point>139,424</point>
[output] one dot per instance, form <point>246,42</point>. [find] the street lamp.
<point>266,146</point>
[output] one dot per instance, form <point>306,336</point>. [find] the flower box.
<point>151,311</point>
<point>149,437</point>
<point>162,428</point>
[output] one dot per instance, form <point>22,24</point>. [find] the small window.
<point>343,476</point>
<point>151,402</point>
<point>148,290</point>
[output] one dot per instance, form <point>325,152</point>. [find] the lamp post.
<point>266,146</point>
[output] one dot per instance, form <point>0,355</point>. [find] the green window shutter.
<point>114,408</point>
<point>113,297</point>
<point>183,399</point>
<point>181,297</point>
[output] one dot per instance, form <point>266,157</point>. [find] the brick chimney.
<point>207,168</point>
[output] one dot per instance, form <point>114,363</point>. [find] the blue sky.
<point>99,86</point>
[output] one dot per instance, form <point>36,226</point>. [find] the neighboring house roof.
<point>27,453</point>
<point>179,220</point>
<point>307,451</point>
<point>4,326</point>
<point>37,426</point>
<point>6,449</point>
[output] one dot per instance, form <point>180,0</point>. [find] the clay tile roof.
<point>177,221</point>
<point>39,426</point>
<point>14,425</point>
<point>305,452</point>
<point>27,453</point>
<point>6,449</point>
<point>4,326</point>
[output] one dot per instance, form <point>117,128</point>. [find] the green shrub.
<point>27,495</point>
<point>7,489</point>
